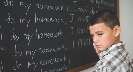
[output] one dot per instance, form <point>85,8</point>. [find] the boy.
<point>105,31</point>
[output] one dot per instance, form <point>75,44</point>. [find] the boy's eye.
<point>100,34</point>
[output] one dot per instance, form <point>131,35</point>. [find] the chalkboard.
<point>47,35</point>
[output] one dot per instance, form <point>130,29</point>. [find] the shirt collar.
<point>112,47</point>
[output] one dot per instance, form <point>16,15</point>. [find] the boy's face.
<point>103,36</point>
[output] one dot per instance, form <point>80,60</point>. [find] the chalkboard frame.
<point>78,69</point>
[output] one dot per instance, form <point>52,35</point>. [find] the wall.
<point>126,21</point>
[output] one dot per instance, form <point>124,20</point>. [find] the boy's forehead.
<point>100,27</point>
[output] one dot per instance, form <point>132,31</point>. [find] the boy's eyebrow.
<point>98,31</point>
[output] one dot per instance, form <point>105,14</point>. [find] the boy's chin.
<point>101,49</point>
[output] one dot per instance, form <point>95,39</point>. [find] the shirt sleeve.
<point>102,69</point>
<point>107,69</point>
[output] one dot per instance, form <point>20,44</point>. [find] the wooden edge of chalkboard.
<point>118,9</point>
<point>78,69</point>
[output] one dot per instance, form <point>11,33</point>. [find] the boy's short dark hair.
<point>105,16</point>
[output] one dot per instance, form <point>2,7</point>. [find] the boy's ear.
<point>117,30</point>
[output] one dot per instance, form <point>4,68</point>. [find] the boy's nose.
<point>95,39</point>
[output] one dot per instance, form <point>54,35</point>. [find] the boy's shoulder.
<point>116,54</point>
<point>115,58</point>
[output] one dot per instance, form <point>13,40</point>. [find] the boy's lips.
<point>98,46</point>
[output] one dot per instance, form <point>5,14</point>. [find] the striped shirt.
<point>115,59</point>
